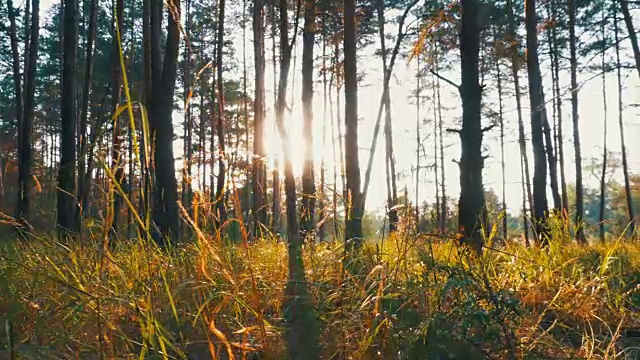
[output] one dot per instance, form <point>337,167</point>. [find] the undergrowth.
<point>416,298</point>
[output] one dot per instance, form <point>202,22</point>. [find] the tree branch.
<point>445,79</point>
<point>488,128</point>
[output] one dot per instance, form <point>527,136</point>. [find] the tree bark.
<point>276,208</point>
<point>576,129</point>
<point>322,193</point>
<point>353,227</point>
<point>472,200</point>
<point>625,163</point>
<point>555,65</point>
<point>221,212</point>
<point>538,113</point>
<point>117,159</point>
<point>513,52</point>
<point>303,332</point>
<point>603,180</point>
<point>26,150</point>
<point>161,109</point>
<point>23,196</point>
<point>443,184</point>
<point>308,208</point>
<point>502,162</point>
<point>418,143</point>
<point>385,96</point>
<point>633,37</point>
<point>259,169</point>
<point>84,107</point>
<point>67,172</point>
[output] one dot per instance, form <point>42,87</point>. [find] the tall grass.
<point>207,300</point>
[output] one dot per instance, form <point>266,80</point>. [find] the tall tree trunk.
<point>436,136</point>
<point>353,227</point>
<point>308,208</point>
<point>633,37</point>
<point>23,196</point>
<point>84,107</point>
<point>513,53</point>
<point>221,212</point>
<point>471,162</point>
<point>188,120</point>
<point>161,109</point>
<point>277,187</point>
<point>575,116</point>
<point>259,169</point>
<point>67,172</point>
<point>418,143</point>
<point>385,98</point>
<point>555,69</point>
<point>443,189</point>
<point>335,157</point>
<point>321,194</point>
<point>551,140</point>
<point>388,135</point>
<point>246,200</point>
<point>538,113</point>
<point>26,146</point>
<point>625,163</point>
<point>302,335</point>
<point>603,180</point>
<point>117,158</point>
<point>502,162</point>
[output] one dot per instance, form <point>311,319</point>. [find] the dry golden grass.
<point>413,299</point>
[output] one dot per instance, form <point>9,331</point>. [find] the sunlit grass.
<point>415,296</point>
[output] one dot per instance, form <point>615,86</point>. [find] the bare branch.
<point>445,79</point>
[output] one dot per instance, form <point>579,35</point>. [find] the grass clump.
<point>416,298</point>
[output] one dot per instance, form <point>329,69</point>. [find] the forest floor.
<point>417,298</point>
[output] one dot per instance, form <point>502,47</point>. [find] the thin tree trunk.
<point>633,38</point>
<point>25,166</point>
<point>117,158</point>
<point>246,200</point>
<point>188,121</point>
<point>335,156</point>
<point>303,332</point>
<point>353,226</point>
<point>435,153</point>
<point>527,196</point>
<point>418,144</point>
<point>277,187</point>
<point>390,170</point>
<point>603,180</point>
<point>555,64</point>
<point>443,193</point>
<point>220,127</point>
<point>502,162</point>
<point>308,208</point>
<point>23,199</point>
<point>259,170</point>
<point>625,163</point>
<point>321,194</point>
<point>538,113</point>
<point>84,112</point>
<point>471,162</point>
<point>67,172</point>
<point>576,129</point>
<point>385,98</point>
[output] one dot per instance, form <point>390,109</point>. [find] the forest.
<point>319,179</point>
